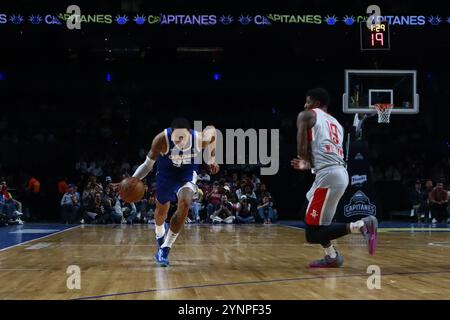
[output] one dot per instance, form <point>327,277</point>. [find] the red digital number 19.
<point>377,37</point>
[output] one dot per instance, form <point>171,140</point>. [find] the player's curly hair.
<point>180,123</point>
<point>319,94</point>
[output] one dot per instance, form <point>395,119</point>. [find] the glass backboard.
<point>365,88</point>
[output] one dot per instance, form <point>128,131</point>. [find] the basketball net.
<point>384,111</point>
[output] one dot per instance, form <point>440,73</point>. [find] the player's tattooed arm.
<point>209,137</point>
<point>209,142</point>
<point>305,121</point>
<point>159,145</point>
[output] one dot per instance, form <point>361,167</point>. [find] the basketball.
<point>131,189</point>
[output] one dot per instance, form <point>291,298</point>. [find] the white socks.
<point>170,239</point>
<point>331,251</point>
<point>160,230</point>
<point>356,226</point>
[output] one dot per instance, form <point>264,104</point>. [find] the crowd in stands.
<point>430,202</point>
<point>90,197</point>
<point>228,197</point>
<point>10,208</point>
<point>424,175</point>
<point>99,203</point>
<point>409,169</point>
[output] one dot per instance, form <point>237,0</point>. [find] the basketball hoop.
<point>384,111</point>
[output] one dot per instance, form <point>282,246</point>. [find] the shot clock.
<point>375,37</point>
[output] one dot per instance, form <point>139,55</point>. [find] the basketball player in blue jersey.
<point>177,153</point>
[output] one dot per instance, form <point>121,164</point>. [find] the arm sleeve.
<point>144,169</point>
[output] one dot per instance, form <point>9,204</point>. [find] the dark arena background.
<point>79,108</point>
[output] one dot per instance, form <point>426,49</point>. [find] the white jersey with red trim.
<point>326,138</point>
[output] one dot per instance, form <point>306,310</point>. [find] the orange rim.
<point>383,106</point>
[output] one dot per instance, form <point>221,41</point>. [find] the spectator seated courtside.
<point>124,211</point>
<point>213,199</point>
<point>10,209</point>
<point>417,201</point>
<point>266,211</point>
<point>70,205</point>
<point>244,213</point>
<point>438,198</point>
<point>223,214</point>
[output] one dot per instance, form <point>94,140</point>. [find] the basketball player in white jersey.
<point>319,146</point>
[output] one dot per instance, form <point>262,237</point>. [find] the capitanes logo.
<point>360,205</point>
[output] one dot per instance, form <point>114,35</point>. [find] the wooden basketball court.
<point>224,262</point>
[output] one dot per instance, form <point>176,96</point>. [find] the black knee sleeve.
<point>313,234</point>
<point>323,234</point>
